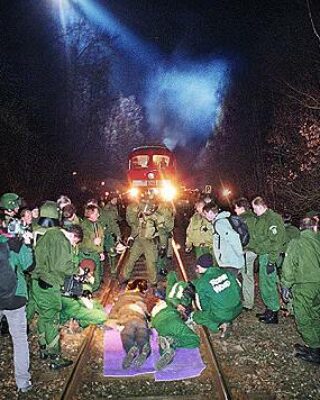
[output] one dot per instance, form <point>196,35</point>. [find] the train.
<point>152,168</point>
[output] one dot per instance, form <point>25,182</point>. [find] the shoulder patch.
<point>274,229</point>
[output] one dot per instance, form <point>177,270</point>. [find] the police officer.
<point>110,220</point>
<point>218,295</point>
<point>267,241</point>
<point>54,262</point>
<point>199,232</point>
<point>92,244</point>
<point>167,210</point>
<point>9,205</point>
<point>169,319</point>
<point>301,276</point>
<point>147,238</point>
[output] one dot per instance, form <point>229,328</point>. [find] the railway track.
<point>85,376</point>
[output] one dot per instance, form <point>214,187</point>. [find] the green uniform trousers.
<point>306,305</point>
<point>168,322</point>
<point>48,305</point>
<point>213,320</point>
<point>268,285</point>
<point>109,246</point>
<point>147,247</point>
<point>247,273</point>
<point>98,272</point>
<point>75,309</point>
<point>31,304</point>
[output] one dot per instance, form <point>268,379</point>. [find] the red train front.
<point>152,168</point>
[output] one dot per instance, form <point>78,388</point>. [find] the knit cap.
<point>205,261</point>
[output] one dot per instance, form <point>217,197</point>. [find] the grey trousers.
<point>17,322</point>
<point>247,273</point>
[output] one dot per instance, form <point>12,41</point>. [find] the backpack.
<point>239,225</point>
<point>8,277</point>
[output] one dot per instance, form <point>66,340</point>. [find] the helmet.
<point>10,201</point>
<point>49,210</point>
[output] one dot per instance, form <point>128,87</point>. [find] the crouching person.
<point>54,262</point>
<point>168,318</point>
<point>129,315</point>
<point>218,296</point>
<point>83,308</point>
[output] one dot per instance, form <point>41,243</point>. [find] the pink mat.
<point>186,364</point>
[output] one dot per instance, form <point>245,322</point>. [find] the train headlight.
<point>134,192</point>
<point>169,192</point>
<point>151,175</point>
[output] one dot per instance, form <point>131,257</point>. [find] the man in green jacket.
<point>147,237</point>
<point>218,295</point>
<point>199,232</point>
<point>110,220</point>
<point>267,241</point>
<point>301,276</point>
<point>54,262</point>
<point>92,244</point>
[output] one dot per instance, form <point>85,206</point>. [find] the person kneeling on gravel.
<point>218,296</point>
<point>168,318</point>
<point>129,315</point>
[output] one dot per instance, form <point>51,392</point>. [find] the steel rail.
<point>72,382</point>
<point>219,381</point>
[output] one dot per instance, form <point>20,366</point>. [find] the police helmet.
<point>10,201</point>
<point>49,210</point>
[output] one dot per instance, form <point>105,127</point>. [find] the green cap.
<point>49,210</point>
<point>10,201</point>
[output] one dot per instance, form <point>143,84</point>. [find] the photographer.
<point>54,262</point>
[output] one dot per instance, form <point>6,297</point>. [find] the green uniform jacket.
<point>218,297</point>
<point>91,230</point>
<point>110,219</point>
<point>132,217</point>
<point>250,219</point>
<point>199,231</point>
<point>269,235</point>
<point>291,232</point>
<point>54,258</point>
<point>167,211</point>
<point>302,260</point>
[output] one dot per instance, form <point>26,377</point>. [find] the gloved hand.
<point>162,252</point>
<point>130,241</point>
<point>271,267</point>
<point>286,294</point>
<point>188,250</point>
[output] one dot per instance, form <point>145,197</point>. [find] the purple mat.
<point>186,364</point>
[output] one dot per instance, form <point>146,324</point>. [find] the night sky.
<point>182,60</point>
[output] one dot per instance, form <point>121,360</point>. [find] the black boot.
<point>4,330</point>
<point>58,362</point>
<point>259,315</point>
<point>300,348</point>
<point>270,318</point>
<point>311,355</point>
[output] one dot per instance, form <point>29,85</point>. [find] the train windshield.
<point>161,161</point>
<point>138,162</point>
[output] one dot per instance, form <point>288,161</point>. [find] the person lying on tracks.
<point>218,296</point>
<point>168,318</point>
<point>129,315</point>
